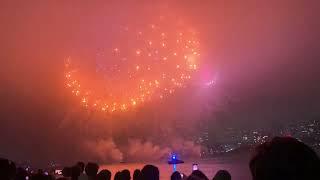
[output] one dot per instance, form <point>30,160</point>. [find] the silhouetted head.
<point>197,175</point>
<point>222,175</point>
<point>117,176</point>
<point>137,174</point>
<point>81,166</point>
<point>193,177</point>
<point>75,172</point>
<point>7,169</point>
<point>176,176</point>
<point>66,172</point>
<point>284,158</point>
<point>104,175</point>
<point>92,169</point>
<point>125,174</point>
<point>150,172</point>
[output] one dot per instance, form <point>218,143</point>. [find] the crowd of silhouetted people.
<point>282,158</point>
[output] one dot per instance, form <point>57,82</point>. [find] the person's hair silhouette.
<point>150,172</point>
<point>91,170</point>
<point>176,176</point>
<point>199,175</point>
<point>7,169</point>
<point>104,175</point>
<point>125,174</point>
<point>137,174</point>
<point>222,175</point>
<point>81,166</point>
<point>117,176</point>
<point>284,158</point>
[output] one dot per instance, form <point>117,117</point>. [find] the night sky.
<point>265,56</point>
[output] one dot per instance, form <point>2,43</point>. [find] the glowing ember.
<point>149,64</point>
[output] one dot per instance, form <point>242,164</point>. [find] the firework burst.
<point>143,64</point>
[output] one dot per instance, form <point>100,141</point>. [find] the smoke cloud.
<point>105,150</point>
<point>139,150</point>
<point>102,150</point>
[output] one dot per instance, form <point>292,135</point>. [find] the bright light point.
<point>138,52</point>
<point>163,44</point>
<point>164,58</point>
<point>175,54</point>
<point>178,66</point>
<point>137,68</point>
<point>173,156</point>
<point>150,43</point>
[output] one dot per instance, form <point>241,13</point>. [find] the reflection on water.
<point>238,169</point>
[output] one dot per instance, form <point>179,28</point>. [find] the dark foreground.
<point>282,158</point>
